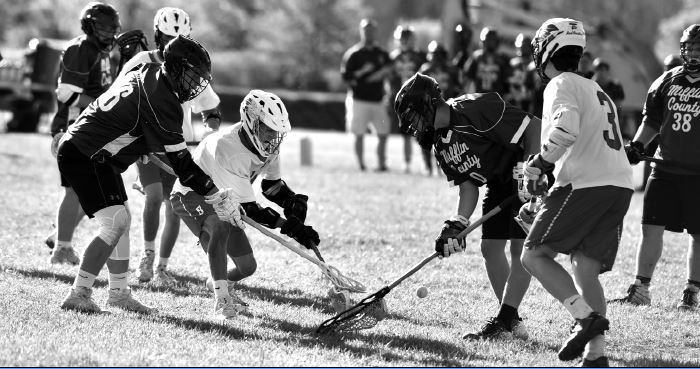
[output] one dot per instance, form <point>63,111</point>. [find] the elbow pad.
<point>557,143</point>
<point>189,173</point>
<point>67,95</point>
<point>276,191</point>
<point>265,216</point>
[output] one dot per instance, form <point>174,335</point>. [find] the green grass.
<point>373,228</point>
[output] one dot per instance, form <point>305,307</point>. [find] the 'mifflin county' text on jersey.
<point>138,115</point>
<point>672,108</point>
<point>208,99</point>
<point>230,164</point>
<point>483,140</point>
<point>84,70</point>
<point>579,106</point>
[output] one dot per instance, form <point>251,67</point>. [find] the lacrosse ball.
<point>422,292</point>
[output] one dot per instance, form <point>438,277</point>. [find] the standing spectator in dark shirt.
<point>488,69</point>
<point>585,65</point>
<point>405,61</point>
<point>523,76</point>
<point>462,39</point>
<point>364,68</point>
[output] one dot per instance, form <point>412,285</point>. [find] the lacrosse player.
<point>671,200</point>
<point>157,184</point>
<point>139,114</point>
<point>234,157</point>
<point>86,72</point>
<point>583,212</point>
<point>478,139</point>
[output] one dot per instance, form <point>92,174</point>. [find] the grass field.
<point>373,227</point>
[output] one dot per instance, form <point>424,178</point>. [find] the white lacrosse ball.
<point>340,300</point>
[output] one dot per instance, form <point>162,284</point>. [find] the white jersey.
<point>208,99</point>
<point>230,164</point>
<point>597,157</point>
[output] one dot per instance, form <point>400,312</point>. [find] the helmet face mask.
<point>690,48</point>
<point>416,105</point>
<point>554,34</point>
<point>101,22</point>
<point>188,66</point>
<point>265,121</point>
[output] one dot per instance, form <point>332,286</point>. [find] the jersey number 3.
<point>613,142</point>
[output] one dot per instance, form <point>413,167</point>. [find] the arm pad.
<point>557,143</point>
<point>189,173</point>
<point>276,191</point>
<point>265,216</point>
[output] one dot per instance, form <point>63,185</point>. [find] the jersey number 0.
<point>613,142</point>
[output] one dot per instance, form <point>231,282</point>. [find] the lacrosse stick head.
<point>366,314</point>
<point>340,300</point>
<point>342,282</point>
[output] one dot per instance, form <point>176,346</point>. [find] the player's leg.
<point>407,152</point>
<point>357,125</point>
<point>586,271</point>
<point>241,252</point>
<point>69,215</point>
<point>379,119</point>
<point>514,291</point>
<point>496,263</point>
<point>428,161</point>
<point>381,152</point>
<point>149,176</point>
<point>691,219</point>
<point>168,237</point>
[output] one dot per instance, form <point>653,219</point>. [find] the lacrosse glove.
<point>54,143</point>
<point>305,235</point>
<point>634,151</point>
<point>526,216</point>
<point>535,173</point>
<point>447,242</point>
<point>226,207</point>
<point>128,42</point>
<point>295,206</point>
<point>518,176</point>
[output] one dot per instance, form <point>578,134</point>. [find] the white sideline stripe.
<point>520,131</point>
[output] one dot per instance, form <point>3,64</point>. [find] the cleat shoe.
<point>80,299</point>
<point>689,301</point>
<point>494,329</point>
<point>163,277</point>
<point>146,266</point>
<point>64,255</point>
<point>124,300</point>
<point>637,294</point>
<point>231,290</point>
<point>227,307</point>
<point>582,332</point>
<point>601,362</point>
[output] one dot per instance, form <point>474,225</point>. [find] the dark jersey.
<point>489,72</point>
<point>370,59</point>
<point>84,70</point>
<point>672,108</point>
<point>446,76</point>
<point>483,141</point>
<point>404,65</point>
<point>521,83</point>
<point>138,115</point>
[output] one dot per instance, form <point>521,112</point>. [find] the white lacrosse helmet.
<point>171,22</point>
<point>554,34</point>
<point>265,121</point>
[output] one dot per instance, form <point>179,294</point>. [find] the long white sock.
<point>595,348</point>
<point>84,279</point>
<point>221,288</point>
<point>163,262</point>
<point>149,246</point>
<point>577,307</point>
<point>63,245</point>
<point>118,281</point>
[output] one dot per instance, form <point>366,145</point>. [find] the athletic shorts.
<point>150,173</point>
<point>96,182</point>
<point>587,220</point>
<point>673,201</point>
<point>501,226</point>
<point>360,114</point>
<point>192,209</point>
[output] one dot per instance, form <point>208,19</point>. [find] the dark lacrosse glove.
<point>634,151</point>
<point>128,42</point>
<point>305,235</point>
<point>447,242</point>
<point>295,206</point>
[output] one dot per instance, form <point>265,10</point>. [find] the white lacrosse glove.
<point>526,215</point>
<point>518,176</point>
<point>54,143</point>
<point>447,242</point>
<point>226,206</point>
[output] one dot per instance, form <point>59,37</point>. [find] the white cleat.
<point>124,300</point>
<point>146,266</point>
<point>227,307</point>
<point>80,299</point>
<point>64,255</point>
<point>231,290</point>
<point>162,276</point>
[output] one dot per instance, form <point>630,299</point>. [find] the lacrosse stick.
<point>671,163</point>
<point>339,280</point>
<point>532,207</point>
<point>371,309</point>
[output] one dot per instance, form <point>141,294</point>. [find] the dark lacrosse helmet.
<point>188,66</point>
<point>415,105</point>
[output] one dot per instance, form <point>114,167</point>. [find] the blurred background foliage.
<point>298,44</point>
